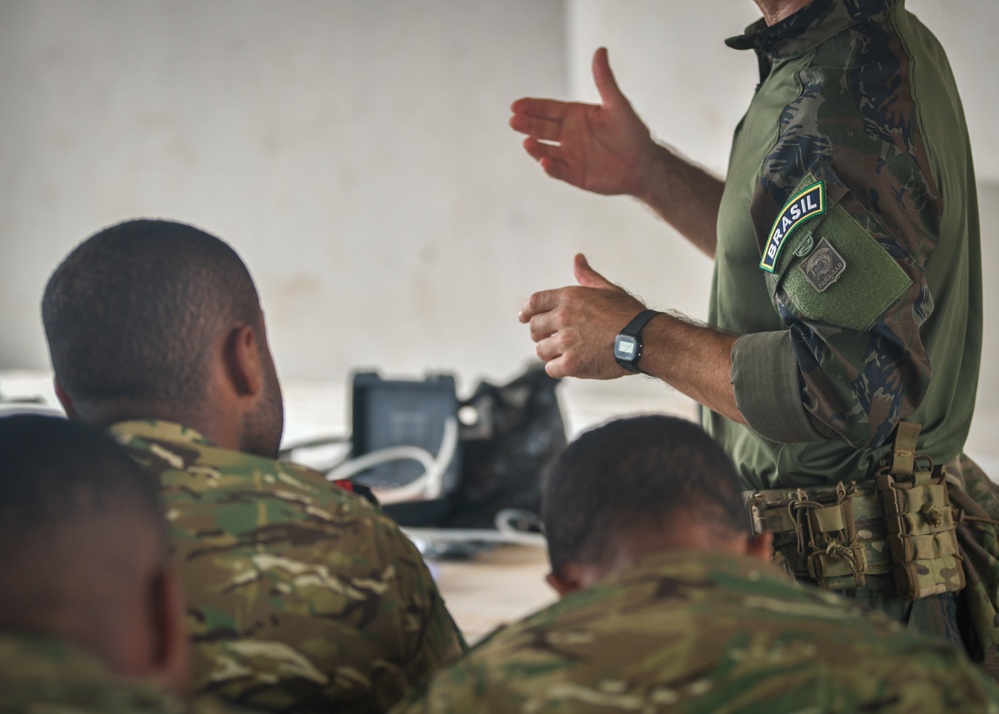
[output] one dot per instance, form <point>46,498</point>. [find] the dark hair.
<point>631,474</point>
<point>55,472</point>
<point>132,313</point>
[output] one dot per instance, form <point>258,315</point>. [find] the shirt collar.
<point>807,28</point>
<point>56,673</point>
<point>44,657</point>
<point>158,430</point>
<point>698,564</point>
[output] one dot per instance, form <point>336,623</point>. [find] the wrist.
<point>629,344</point>
<point>656,175</point>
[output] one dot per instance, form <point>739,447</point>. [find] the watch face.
<point>625,347</point>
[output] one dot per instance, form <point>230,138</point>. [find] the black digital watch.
<point>628,343</point>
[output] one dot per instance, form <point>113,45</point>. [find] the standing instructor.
<point>846,294</point>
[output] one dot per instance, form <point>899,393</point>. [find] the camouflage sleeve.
<point>433,638</point>
<point>848,213</point>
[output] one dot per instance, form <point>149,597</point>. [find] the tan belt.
<point>896,532</point>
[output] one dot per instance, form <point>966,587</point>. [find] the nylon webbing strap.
<point>830,518</point>
<point>904,455</point>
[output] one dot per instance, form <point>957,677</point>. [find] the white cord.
<point>428,483</point>
<point>465,535</point>
<point>393,453</point>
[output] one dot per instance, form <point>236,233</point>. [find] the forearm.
<point>685,196</point>
<point>693,359</point>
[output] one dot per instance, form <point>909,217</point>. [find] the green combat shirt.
<point>848,250</point>
<point>41,675</point>
<point>301,596</point>
<point>699,632</point>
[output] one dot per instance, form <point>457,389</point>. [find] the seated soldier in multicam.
<point>91,616</point>
<point>670,605</point>
<point>301,596</point>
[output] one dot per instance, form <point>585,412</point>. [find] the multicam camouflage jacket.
<point>848,249</point>
<point>301,596</point>
<point>40,674</point>
<point>700,632</point>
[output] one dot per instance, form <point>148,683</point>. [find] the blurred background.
<point>356,153</point>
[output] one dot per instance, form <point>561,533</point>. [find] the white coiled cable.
<point>428,484</point>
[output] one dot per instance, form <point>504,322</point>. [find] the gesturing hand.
<point>603,148</point>
<point>574,327</point>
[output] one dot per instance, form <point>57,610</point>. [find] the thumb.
<point>587,276</point>
<point>610,93</point>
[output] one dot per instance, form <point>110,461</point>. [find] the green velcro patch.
<point>847,279</point>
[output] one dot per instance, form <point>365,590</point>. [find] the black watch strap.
<point>633,330</point>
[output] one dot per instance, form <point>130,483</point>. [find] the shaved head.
<point>134,318</point>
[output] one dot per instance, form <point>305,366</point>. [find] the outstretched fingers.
<point>538,127</point>
<point>557,169</point>
<point>541,150</point>
<point>553,109</point>
<point>550,156</point>
<point>603,77</point>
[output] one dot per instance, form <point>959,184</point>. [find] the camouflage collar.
<point>159,430</point>
<point>42,673</point>
<point>807,28</point>
<point>697,563</point>
<point>43,657</point>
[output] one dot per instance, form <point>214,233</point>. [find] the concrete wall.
<point>355,153</point>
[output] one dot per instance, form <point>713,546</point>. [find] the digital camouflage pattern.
<point>699,632</point>
<point>42,675</point>
<point>872,313</point>
<point>301,596</point>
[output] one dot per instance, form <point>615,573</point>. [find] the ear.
<point>171,656</point>
<point>760,546</point>
<point>63,397</point>
<point>566,580</point>
<point>243,363</point>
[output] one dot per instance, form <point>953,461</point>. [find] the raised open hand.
<point>604,148</point>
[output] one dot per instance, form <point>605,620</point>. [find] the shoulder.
<point>219,500</point>
<point>856,102</point>
<point>752,638</point>
<point>196,467</point>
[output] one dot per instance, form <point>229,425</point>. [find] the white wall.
<point>356,153</point>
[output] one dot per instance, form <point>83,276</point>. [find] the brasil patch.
<point>803,206</point>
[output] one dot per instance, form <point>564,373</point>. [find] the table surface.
<point>496,587</point>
